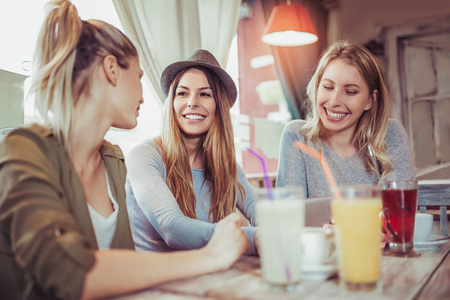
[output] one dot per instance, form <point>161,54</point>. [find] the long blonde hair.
<point>67,48</point>
<point>218,155</point>
<point>372,125</point>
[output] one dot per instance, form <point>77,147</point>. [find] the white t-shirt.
<point>104,227</point>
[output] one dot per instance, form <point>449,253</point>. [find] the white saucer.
<point>434,240</point>
<point>316,272</point>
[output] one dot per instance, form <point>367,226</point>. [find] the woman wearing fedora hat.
<point>184,181</point>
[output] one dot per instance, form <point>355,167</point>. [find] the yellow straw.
<point>325,168</point>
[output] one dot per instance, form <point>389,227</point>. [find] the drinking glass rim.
<point>403,185</point>
<point>359,187</point>
<point>280,191</point>
<point>399,180</point>
<point>365,192</point>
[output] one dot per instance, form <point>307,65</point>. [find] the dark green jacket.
<point>47,240</point>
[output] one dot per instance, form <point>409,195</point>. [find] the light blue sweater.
<point>157,222</point>
<point>297,168</point>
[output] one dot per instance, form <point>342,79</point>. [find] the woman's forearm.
<point>121,271</point>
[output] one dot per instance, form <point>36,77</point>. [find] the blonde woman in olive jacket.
<point>63,219</point>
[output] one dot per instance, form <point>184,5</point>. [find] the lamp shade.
<point>289,25</point>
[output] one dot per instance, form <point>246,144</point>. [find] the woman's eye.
<point>352,92</point>
<point>205,95</point>
<point>181,94</point>
<point>328,87</point>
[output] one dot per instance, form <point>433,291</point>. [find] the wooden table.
<point>424,277</point>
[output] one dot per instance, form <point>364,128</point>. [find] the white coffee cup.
<point>318,247</point>
<point>422,227</point>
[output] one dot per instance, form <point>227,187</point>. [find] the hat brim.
<point>172,70</point>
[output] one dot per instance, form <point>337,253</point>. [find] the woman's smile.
<point>334,116</point>
<point>196,117</point>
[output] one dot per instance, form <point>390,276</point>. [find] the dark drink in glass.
<point>399,209</point>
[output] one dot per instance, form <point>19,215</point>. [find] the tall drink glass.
<point>280,221</point>
<point>399,211</point>
<point>356,217</point>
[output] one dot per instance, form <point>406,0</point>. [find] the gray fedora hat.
<point>201,58</point>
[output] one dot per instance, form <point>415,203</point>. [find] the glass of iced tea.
<point>399,210</point>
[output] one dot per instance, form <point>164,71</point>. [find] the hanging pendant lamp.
<point>289,25</point>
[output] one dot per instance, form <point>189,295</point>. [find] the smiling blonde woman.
<point>349,112</point>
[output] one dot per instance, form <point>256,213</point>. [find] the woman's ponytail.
<point>67,49</point>
<point>53,65</point>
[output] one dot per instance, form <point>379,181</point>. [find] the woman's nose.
<point>192,102</point>
<point>335,99</point>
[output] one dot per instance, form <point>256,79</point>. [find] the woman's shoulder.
<point>34,134</point>
<point>240,170</point>
<point>145,151</point>
<point>294,125</point>
<point>109,149</point>
<point>32,130</point>
<point>34,144</point>
<point>394,123</point>
<point>146,146</point>
<point>395,128</point>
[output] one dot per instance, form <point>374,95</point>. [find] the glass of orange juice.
<point>356,216</point>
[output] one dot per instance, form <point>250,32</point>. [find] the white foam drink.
<point>280,222</point>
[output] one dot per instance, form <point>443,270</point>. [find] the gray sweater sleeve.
<point>247,208</point>
<point>291,165</point>
<point>397,147</point>
<point>146,176</point>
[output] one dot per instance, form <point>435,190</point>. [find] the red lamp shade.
<point>289,25</point>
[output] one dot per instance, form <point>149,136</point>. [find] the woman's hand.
<point>228,242</point>
<point>257,242</point>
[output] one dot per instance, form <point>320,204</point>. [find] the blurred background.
<point>411,38</point>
